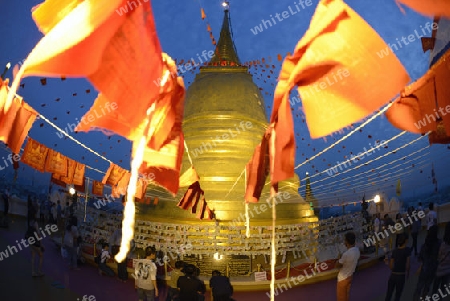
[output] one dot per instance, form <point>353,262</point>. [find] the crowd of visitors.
<point>433,255</point>
<point>185,284</point>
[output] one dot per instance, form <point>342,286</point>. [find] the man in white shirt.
<point>145,274</point>
<point>431,217</point>
<point>377,223</point>
<point>347,265</point>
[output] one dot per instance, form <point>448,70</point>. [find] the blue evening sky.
<point>183,35</point>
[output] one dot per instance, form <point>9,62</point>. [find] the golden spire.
<point>225,53</point>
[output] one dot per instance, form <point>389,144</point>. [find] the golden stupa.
<point>224,120</point>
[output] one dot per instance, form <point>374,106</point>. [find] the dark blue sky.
<point>183,35</point>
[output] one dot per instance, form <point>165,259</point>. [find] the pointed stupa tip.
<point>225,53</point>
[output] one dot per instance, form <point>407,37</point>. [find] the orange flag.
<point>71,165</point>
<point>337,89</point>
<point>113,175</point>
<point>78,175</point>
<point>203,14</point>
<point>120,55</point>
<point>56,163</point>
<point>165,141</point>
<point>97,188</point>
<point>56,180</point>
<point>426,102</point>
<point>16,122</point>
<point>122,185</point>
<point>35,155</point>
<point>141,188</point>
<point>82,186</point>
<point>440,136</point>
<point>429,8</point>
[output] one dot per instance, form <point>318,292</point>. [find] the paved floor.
<point>61,284</point>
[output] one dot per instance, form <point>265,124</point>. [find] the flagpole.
<point>86,198</point>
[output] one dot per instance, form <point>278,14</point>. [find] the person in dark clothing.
<point>428,256</point>
<point>443,269</point>
<point>31,210</point>
<point>5,197</point>
<point>399,265</point>
<point>221,287</point>
<point>415,229</point>
<point>190,287</point>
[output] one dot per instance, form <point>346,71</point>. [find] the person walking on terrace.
<point>399,265</point>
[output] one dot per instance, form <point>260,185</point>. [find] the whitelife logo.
<point>379,236</point>
<point>89,118</point>
<point>11,250</point>
<point>391,48</point>
<point>300,278</point>
<point>280,17</point>
<point>243,126</point>
<point>430,118</point>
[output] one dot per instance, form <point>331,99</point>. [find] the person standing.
<point>398,232</point>
<point>176,273</point>
<point>190,287</point>
<point>428,256</point>
<point>347,264</point>
<point>377,223</point>
<point>443,269</point>
<point>415,229</point>
<point>431,217</point>
<point>59,214</point>
<point>5,197</point>
<point>399,265</point>
<point>146,276</point>
<point>71,244</point>
<point>115,242</point>
<point>222,290</point>
<point>37,250</point>
<point>31,210</point>
<point>420,208</point>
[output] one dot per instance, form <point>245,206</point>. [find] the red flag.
<point>16,122</point>
<point>337,89</point>
<point>165,142</point>
<point>191,196</point>
<point>35,155</point>
<point>429,7</point>
<point>257,170</point>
